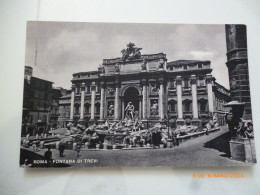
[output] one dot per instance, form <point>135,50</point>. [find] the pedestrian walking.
<point>208,127</point>
<point>61,149</point>
<point>156,138</point>
<point>175,137</point>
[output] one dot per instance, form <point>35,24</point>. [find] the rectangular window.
<point>187,107</point>
<point>97,108</point>
<point>41,85</point>
<point>41,95</point>
<point>77,109</point>
<point>172,106</point>
<point>30,118</point>
<point>37,84</point>
<point>87,108</point>
<point>46,96</point>
<point>186,84</point>
<point>201,82</point>
<point>172,84</point>
<point>97,88</point>
<point>203,106</point>
<point>36,93</point>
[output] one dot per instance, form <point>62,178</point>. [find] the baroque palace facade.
<point>183,91</point>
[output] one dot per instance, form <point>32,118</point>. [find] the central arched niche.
<point>131,95</point>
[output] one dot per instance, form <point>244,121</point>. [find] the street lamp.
<point>234,116</point>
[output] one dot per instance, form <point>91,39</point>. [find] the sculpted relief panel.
<point>110,90</point>
<point>154,87</point>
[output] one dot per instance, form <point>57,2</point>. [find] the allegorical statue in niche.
<point>129,110</point>
<point>111,110</point>
<point>154,108</point>
<point>154,88</point>
<point>110,90</point>
<point>131,52</point>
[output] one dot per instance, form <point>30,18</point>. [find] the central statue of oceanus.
<point>131,52</point>
<point>130,110</point>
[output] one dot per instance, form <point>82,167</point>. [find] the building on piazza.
<point>146,87</point>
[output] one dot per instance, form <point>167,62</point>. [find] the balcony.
<point>173,114</point>
<point>187,114</point>
<point>76,114</point>
<point>87,115</point>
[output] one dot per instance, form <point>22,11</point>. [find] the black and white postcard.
<point>124,95</point>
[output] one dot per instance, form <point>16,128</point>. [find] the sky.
<point>56,50</point>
